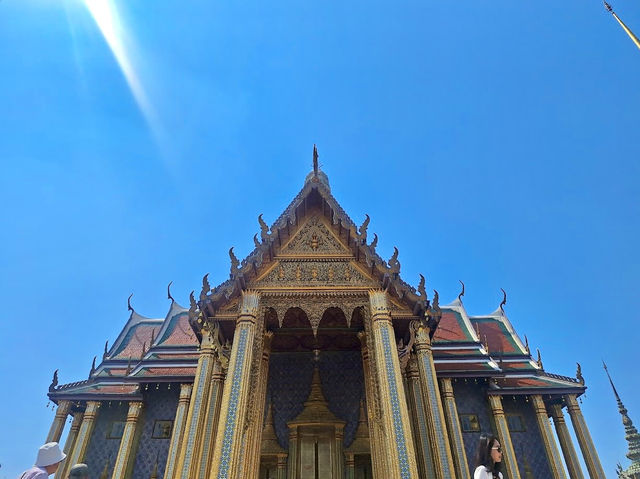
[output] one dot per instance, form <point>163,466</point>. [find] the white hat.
<point>49,454</point>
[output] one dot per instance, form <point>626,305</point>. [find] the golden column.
<point>187,464</point>
<point>350,464</point>
<point>550,447</point>
<point>178,430</point>
<point>228,445</point>
<point>376,438</point>
<point>84,434</point>
<point>126,452</point>
<point>421,431</point>
<point>293,453</point>
<point>589,453</point>
<point>569,452</point>
<point>438,435</point>
<point>63,471</point>
<point>395,413</point>
<point>509,455</point>
<point>453,423</point>
<point>254,442</point>
<point>213,416</point>
<point>60,418</point>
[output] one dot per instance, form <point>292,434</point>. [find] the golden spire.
<point>631,433</point>
<point>624,27</point>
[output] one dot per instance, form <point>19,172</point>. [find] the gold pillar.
<point>190,447</point>
<point>455,433</point>
<point>550,447</point>
<point>228,450</point>
<point>589,453</point>
<point>84,434</point>
<point>254,443</point>
<point>62,411</point>
<point>421,431</point>
<point>211,422</point>
<point>281,467</point>
<point>350,464</point>
<point>569,452</point>
<point>339,455</point>
<point>509,455</point>
<point>438,435</point>
<point>293,453</point>
<point>393,400</point>
<point>63,471</point>
<point>374,419</point>
<point>126,452</point>
<point>178,430</point>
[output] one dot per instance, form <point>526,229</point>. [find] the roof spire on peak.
<point>461,292</point>
<point>315,160</point>
<point>169,292</point>
<point>129,307</point>
<point>504,300</point>
<point>627,30</point>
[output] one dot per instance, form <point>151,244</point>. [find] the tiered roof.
<point>166,350</point>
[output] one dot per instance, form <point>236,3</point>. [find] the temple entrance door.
<point>316,455</point>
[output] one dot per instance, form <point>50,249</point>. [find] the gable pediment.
<point>315,238</point>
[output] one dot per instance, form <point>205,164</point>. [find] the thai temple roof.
<point>166,349</point>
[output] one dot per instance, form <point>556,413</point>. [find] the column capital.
<point>447,387</point>
<point>249,306</point>
<point>572,402</point>
<point>422,337</point>
<point>64,407</point>
<point>379,306</point>
<point>185,392</point>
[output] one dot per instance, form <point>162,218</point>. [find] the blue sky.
<point>492,142</point>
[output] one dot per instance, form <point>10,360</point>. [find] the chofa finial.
<point>504,299</point>
<point>54,381</point>
<point>206,287</point>
<point>234,264</point>
<point>363,230</point>
<point>461,292</point>
<point>129,307</point>
<point>394,264</point>
<point>579,376</point>
<point>421,289</point>
<point>169,292</point>
<point>106,349</point>
<point>539,359</point>
<point>93,367</point>
<point>264,229</point>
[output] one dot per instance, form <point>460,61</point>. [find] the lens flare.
<point>109,22</point>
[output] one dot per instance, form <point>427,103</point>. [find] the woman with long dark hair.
<point>488,458</point>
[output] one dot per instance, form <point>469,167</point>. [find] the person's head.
<point>489,452</point>
<point>49,457</point>
<point>79,471</point>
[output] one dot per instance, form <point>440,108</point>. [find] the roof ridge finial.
<point>106,350</point>
<point>169,292</point>
<point>315,160</point>
<point>129,307</point>
<point>461,292</point>
<point>504,300</point>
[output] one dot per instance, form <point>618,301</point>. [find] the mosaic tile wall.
<point>528,445</point>
<point>100,448</point>
<point>160,404</point>
<point>342,381</point>
<point>471,399</point>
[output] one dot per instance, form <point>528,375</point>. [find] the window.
<point>469,423</point>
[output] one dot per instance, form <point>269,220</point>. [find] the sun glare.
<point>109,22</point>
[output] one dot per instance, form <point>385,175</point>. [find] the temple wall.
<point>290,383</point>
<point>101,448</point>
<point>471,399</point>
<point>159,405</point>
<point>528,444</point>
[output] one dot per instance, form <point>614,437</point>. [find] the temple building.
<point>316,360</point>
